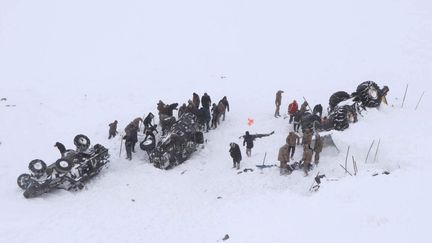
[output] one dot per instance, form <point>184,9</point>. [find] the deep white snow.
<point>70,67</point>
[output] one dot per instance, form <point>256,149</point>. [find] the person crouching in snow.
<point>235,155</point>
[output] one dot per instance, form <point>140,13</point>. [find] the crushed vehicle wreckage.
<point>69,172</point>
<point>344,107</point>
<point>180,140</point>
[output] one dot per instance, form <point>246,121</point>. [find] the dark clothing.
<point>195,100</point>
<point>297,118</point>
<point>235,155</point>
<point>205,113</point>
<point>148,120</point>
<point>215,116</point>
<point>225,102</point>
<point>61,148</point>
<point>248,141</point>
<point>131,136</point>
<point>318,109</point>
<point>206,101</point>
<point>291,149</point>
<point>112,130</point>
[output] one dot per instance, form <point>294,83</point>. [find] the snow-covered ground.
<point>70,67</point>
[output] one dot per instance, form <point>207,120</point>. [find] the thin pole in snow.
<point>370,148</point>
<point>376,153</point>
<point>419,100</point>
<point>406,89</point>
<point>346,159</point>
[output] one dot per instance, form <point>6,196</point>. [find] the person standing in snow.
<point>297,120</point>
<point>224,101</point>
<point>283,158</point>
<point>307,137</point>
<point>292,109</point>
<point>235,155</point>
<point>196,100</point>
<point>318,148</point>
<point>278,103</point>
<point>206,103</point>
<point>61,148</point>
<point>306,159</point>
<point>304,107</point>
<point>215,116</point>
<point>292,140</point>
<point>148,121</point>
<point>112,129</point>
<point>131,138</point>
<point>248,140</point>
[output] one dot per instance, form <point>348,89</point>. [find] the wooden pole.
<point>370,148</point>
<point>419,100</point>
<point>406,89</point>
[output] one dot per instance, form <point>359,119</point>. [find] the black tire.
<point>340,118</point>
<point>37,166</point>
<point>338,97</point>
<point>369,94</point>
<point>63,165</point>
<point>148,144</point>
<point>82,142</point>
<point>23,181</point>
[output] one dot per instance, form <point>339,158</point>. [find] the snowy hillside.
<point>71,67</point>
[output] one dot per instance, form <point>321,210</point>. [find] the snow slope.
<point>74,66</point>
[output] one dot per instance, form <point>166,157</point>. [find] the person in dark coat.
<point>112,129</point>
<point>148,121</point>
<point>235,155</point>
<point>61,148</point>
<point>248,140</point>
<point>131,137</point>
<point>196,100</point>
<point>206,101</point>
<point>225,102</point>
<point>318,109</point>
<point>150,132</point>
<point>215,116</point>
<point>297,120</point>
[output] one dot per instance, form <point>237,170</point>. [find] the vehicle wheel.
<point>338,97</point>
<point>82,142</point>
<point>63,165</point>
<point>340,118</point>
<point>369,94</point>
<point>37,166</point>
<point>147,145</point>
<point>23,181</point>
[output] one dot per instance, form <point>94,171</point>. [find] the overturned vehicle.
<point>69,172</point>
<point>344,107</point>
<point>179,142</point>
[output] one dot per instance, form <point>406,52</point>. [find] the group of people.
<point>205,111</point>
<point>286,152</point>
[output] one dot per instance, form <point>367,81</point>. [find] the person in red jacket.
<point>292,109</point>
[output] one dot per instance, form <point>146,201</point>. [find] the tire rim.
<point>373,93</point>
<point>38,166</point>
<point>64,164</point>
